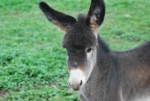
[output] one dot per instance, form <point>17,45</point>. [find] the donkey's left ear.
<point>59,19</point>
<point>96,14</point>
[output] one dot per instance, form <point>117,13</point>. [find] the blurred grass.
<point>32,61</point>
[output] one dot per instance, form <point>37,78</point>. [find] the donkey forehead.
<point>79,36</point>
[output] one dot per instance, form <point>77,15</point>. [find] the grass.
<point>32,61</point>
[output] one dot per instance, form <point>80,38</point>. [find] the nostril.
<point>81,83</point>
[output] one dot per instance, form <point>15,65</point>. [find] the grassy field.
<point>32,61</point>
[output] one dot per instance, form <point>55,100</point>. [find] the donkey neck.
<point>100,78</point>
<point>103,57</point>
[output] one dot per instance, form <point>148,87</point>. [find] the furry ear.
<point>96,14</point>
<point>60,19</point>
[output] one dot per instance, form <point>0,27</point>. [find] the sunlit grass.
<point>32,61</point>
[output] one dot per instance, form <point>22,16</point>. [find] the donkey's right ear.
<point>96,14</point>
<point>60,19</point>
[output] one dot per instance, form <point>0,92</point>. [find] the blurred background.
<point>32,60</point>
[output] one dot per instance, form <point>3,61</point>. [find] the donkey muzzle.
<point>76,79</point>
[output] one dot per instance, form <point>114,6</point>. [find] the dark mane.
<point>80,31</point>
<point>81,18</point>
<point>103,46</point>
<point>79,35</point>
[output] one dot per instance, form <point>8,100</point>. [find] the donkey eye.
<point>89,50</point>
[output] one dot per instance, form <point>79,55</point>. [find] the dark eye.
<point>89,50</point>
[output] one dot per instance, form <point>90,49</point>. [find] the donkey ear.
<point>56,17</point>
<point>96,14</point>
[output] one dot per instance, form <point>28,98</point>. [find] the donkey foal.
<point>96,72</point>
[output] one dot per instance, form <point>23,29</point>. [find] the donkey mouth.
<point>76,89</point>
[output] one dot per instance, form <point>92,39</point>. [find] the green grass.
<point>32,61</point>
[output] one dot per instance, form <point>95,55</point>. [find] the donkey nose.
<point>75,85</point>
<point>81,83</point>
<point>77,79</point>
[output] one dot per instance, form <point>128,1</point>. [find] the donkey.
<point>96,72</point>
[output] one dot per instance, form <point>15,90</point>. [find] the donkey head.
<point>80,39</point>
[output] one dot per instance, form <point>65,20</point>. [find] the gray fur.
<point>119,76</point>
<point>116,76</point>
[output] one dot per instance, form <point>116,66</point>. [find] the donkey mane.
<point>103,46</point>
<point>77,32</point>
<point>76,36</point>
<point>81,18</point>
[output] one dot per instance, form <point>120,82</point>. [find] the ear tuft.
<point>81,18</point>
